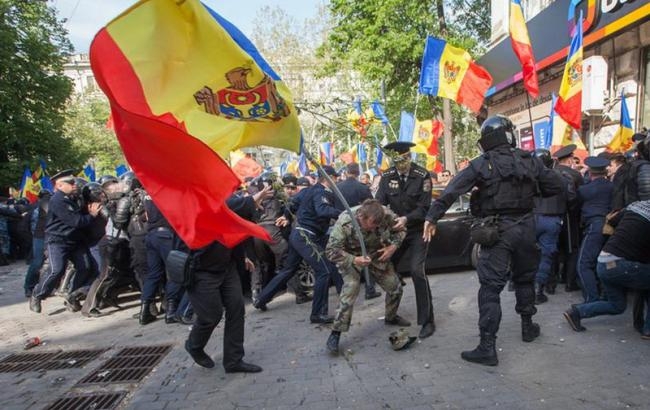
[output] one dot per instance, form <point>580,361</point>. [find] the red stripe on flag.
<point>475,84</point>
<point>525,55</point>
<point>570,110</point>
<point>186,179</point>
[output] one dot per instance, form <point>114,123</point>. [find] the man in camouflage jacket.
<point>382,239</point>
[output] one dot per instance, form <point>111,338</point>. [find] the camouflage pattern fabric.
<point>343,246</point>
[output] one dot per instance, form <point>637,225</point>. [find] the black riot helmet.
<point>107,178</point>
<point>130,181</point>
<point>643,148</point>
<point>93,192</point>
<point>545,156</point>
<point>495,131</point>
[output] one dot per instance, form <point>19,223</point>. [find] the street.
<point>605,367</point>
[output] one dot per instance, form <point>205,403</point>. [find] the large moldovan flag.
<point>186,87</point>
<point>569,102</point>
<point>450,72</point>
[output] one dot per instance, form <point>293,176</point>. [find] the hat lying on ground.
<point>400,339</point>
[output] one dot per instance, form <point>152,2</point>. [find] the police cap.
<point>597,164</point>
<point>401,147</point>
<point>63,174</point>
<point>302,181</point>
<point>565,151</point>
<point>329,170</point>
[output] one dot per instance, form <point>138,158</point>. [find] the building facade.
<point>616,61</point>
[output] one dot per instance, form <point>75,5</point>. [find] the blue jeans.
<point>548,229</point>
<point>592,244</point>
<point>315,257</point>
<point>38,256</point>
<point>617,277</point>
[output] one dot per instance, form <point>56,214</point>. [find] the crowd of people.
<point>539,222</point>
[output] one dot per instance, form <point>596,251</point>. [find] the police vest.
<point>506,184</point>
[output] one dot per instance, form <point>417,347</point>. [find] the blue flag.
<point>302,165</point>
<point>406,127</point>
<point>379,112</point>
<point>89,171</point>
<point>121,169</point>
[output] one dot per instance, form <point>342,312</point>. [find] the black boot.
<point>170,312</point>
<point>485,353</point>
<point>333,342</point>
<point>145,313</point>
<point>529,330</point>
<point>540,297</point>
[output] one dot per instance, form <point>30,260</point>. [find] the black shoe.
<point>529,330</point>
<point>550,289</point>
<point>300,299</point>
<point>199,356</point>
<point>145,314</point>
<point>259,305</point>
<point>94,312</point>
<point>485,353</point>
<point>170,312</point>
<point>243,367</point>
<point>397,321</point>
<point>372,294</point>
<point>573,317</point>
<point>321,319</point>
<point>186,320</point>
<point>333,343</point>
<point>35,304</point>
<point>427,330</point>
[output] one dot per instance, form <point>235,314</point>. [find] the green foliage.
<point>384,41</point>
<point>33,90</point>
<point>85,126</point>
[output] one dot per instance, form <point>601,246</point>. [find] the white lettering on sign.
<point>608,6</point>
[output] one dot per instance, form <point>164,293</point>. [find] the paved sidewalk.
<point>606,367</point>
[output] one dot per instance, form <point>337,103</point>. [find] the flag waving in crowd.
<point>622,140</point>
<point>569,102</point>
<point>450,72</point>
<point>186,87</point>
<point>523,48</point>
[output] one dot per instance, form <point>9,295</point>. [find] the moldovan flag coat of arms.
<point>569,102</point>
<point>186,87</point>
<point>450,72</point>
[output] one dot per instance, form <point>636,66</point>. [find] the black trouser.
<point>139,258</point>
<point>418,255</point>
<point>210,294</point>
<point>516,251</point>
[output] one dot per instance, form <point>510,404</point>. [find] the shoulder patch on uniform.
<point>389,172</point>
<point>426,185</point>
<point>421,172</point>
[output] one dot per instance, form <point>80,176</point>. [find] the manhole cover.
<point>128,365</point>
<point>94,401</point>
<point>24,362</point>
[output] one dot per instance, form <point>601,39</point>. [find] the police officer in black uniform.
<point>315,209</point>
<point>65,237</point>
<point>406,189</point>
<point>570,234</point>
<point>549,212</point>
<point>215,287</point>
<point>355,193</point>
<point>506,179</point>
